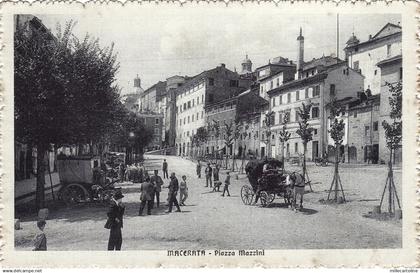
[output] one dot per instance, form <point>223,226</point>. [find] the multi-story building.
<point>207,87</point>
<point>317,82</point>
<point>363,56</point>
<point>153,122</point>
<point>391,72</point>
<point>243,110</point>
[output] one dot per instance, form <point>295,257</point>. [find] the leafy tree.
<point>216,133</point>
<point>201,136</point>
<point>337,133</point>
<point>284,135</point>
<point>305,133</point>
<point>393,136</point>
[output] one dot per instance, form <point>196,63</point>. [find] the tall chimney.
<point>301,41</point>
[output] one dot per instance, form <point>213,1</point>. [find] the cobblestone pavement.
<point>211,221</point>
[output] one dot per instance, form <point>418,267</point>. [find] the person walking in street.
<point>165,169</point>
<point>146,196</point>
<point>157,185</point>
<point>227,183</point>
<point>209,173</point>
<point>183,190</point>
<point>115,222</point>
<point>173,191</point>
<point>198,169</point>
<point>40,239</point>
<point>216,181</point>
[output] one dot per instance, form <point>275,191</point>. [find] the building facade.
<point>363,56</point>
<point>391,72</point>
<point>207,87</point>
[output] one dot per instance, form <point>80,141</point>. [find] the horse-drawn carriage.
<point>266,185</point>
<point>82,180</point>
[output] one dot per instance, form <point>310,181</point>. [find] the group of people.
<point>212,175</point>
<point>150,189</point>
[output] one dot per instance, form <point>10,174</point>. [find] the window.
<point>375,126</point>
<point>188,133</point>
<point>261,89</point>
<point>315,112</point>
<point>156,131</point>
<point>184,120</point>
<point>202,114</point>
<point>376,72</point>
<point>296,114</point>
<point>192,118</point>
<point>273,101</point>
<point>280,117</point>
<point>316,91</point>
<point>388,50</point>
<point>198,100</point>
<point>332,90</point>
<point>188,119</point>
<point>234,83</point>
<point>197,117</point>
<point>315,132</point>
<point>185,106</point>
<point>401,73</point>
<point>297,95</point>
<point>189,104</point>
<point>202,98</point>
<point>278,82</point>
<point>193,102</point>
<point>289,97</point>
<point>356,65</point>
<point>313,72</point>
<point>367,130</point>
<point>272,136</point>
<point>211,81</point>
<point>306,93</point>
<point>177,109</point>
<point>280,99</point>
<point>157,121</point>
<point>296,148</point>
<point>271,84</point>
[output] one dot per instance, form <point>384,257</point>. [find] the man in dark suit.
<point>157,185</point>
<point>173,191</point>
<point>146,196</point>
<point>115,222</point>
<point>209,173</point>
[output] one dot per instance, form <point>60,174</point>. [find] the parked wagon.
<point>83,180</point>
<point>265,186</point>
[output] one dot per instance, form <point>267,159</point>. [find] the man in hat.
<point>198,169</point>
<point>157,185</point>
<point>146,196</point>
<point>173,191</point>
<point>115,221</point>
<point>209,173</point>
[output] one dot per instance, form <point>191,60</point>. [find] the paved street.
<point>214,222</point>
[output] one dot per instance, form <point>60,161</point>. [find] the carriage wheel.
<point>247,194</point>
<point>271,197</point>
<point>264,197</point>
<point>73,194</point>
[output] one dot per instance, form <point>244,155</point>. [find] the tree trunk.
<point>337,149</point>
<point>233,156</point>
<point>40,178</point>
<point>304,161</point>
<point>282,154</point>
<point>390,174</point>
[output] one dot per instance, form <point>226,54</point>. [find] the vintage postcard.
<point>191,134</point>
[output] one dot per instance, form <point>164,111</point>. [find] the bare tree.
<point>305,133</point>
<point>284,136</point>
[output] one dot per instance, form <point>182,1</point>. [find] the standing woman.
<point>115,222</point>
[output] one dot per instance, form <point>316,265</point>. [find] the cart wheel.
<point>247,194</point>
<point>271,198</point>
<point>264,197</point>
<point>73,194</point>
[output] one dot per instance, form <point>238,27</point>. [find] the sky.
<point>159,43</point>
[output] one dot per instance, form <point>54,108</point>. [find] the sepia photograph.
<point>198,133</point>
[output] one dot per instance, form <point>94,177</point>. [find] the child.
<point>227,183</point>
<point>40,240</point>
<point>183,190</point>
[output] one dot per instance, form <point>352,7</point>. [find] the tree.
<point>235,135</point>
<point>216,133</point>
<point>64,92</point>
<point>244,147</point>
<point>305,133</point>
<point>228,138</point>
<point>201,136</point>
<point>268,122</point>
<point>337,133</point>
<point>284,135</point>
<point>393,136</point>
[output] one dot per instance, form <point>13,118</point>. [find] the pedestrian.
<point>216,181</point>
<point>198,169</point>
<point>227,183</point>
<point>146,196</point>
<point>183,190</point>
<point>40,239</point>
<point>209,172</point>
<point>115,221</point>
<point>165,169</point>
<point>298,186</point>
<point>173,191</point>
<point>157,184</point>
<point>122,171</point>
